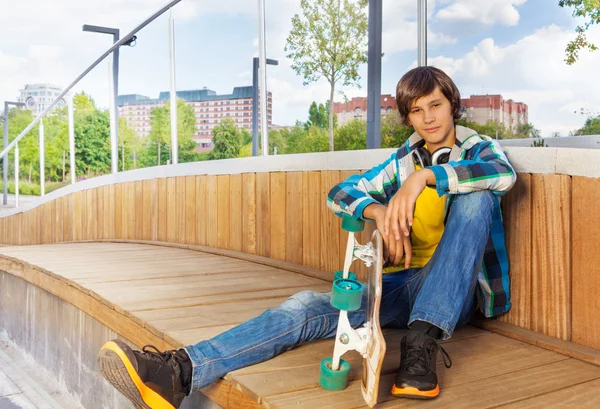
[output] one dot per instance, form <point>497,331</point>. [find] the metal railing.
<point>65,92</point>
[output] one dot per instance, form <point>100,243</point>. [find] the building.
<point>37,97</point>
<point>209,108</point>
<point>356,108</point>
<point>484,108</point>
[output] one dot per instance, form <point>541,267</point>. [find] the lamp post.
<point>5,159</point>
<point>255,81</point>
<point>374,75</point>
<point>422,27</point>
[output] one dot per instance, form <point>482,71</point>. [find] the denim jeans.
<point>441,293</point>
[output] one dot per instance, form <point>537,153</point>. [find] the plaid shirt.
<point>476,163</point>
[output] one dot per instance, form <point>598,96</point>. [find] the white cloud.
<point>532,71</point>
<point>488,12</point>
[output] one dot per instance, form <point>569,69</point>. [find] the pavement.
<point>23,385</point>
<point>11,204</point>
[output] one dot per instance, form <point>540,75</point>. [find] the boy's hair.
<point>422,81</point>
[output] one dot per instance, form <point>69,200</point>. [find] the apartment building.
<point>484,108</point>
<point>356,108</point>
<point>210,109</point>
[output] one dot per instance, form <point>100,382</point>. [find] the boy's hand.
<point>401,208</point>
<point>394,249</point>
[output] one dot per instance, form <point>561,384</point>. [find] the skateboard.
<point>347,295</point>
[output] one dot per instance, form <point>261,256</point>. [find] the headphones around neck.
<point>423,158</point>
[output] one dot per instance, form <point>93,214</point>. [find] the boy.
<point>436,203</point>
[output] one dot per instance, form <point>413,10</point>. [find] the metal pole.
<point>115,78</point>
<point>114,147</point>
<point>255,106</point>
<point>174,136</point>
<point>71,139</point>
<point>5,159</point>
<point>42,156</point>
<point>262,66</point>
<point>374,75</point>
<point>125,39</point>
<point>17,176</point>
<point>422,24</point>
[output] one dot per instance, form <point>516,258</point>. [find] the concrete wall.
<point>64,341</point>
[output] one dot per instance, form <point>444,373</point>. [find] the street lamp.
<point>5,159</point>
<point>114,139</point>
<point>255,104</point>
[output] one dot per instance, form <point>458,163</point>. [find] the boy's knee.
<point>473,205</point>
<point>301,302</point>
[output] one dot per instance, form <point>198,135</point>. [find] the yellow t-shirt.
<point>427,229</point>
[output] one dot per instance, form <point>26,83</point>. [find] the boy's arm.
<point>357,192</point>
<point>488,170</point>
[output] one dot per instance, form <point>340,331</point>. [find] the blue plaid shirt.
<point>477,162</point>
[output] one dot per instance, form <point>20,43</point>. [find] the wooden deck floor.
<point>185,296</point>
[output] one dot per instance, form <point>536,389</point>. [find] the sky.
<point>510,47</point>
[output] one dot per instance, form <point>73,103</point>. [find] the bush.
<point>29,189</point>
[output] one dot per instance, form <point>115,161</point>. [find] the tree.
<point>393,132</point>
<point>591,126</point>
<point>227,140</point>
<point>92,143</point>
<point>329,40</point>
<point>590,10</point>
<point>351,136</point>
<point>527,130</point>
<point>158,145</point>
<point>318,115</point>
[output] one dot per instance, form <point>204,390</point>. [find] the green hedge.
<point>30,189</point>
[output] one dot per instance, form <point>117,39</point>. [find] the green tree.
<point>313,140</point>
<point>158,144</point>
<point>329,40</point>
<point>393,132</point>
<point>590,11</point>
<point>493,129</point>
<point>527,130</point>
<point>318,115</point>
<point>591,126</point>
<point>227,140</point>
<point>92,143</point>
<point>351,136</point>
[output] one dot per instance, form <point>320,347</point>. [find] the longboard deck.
<point>376,347</point>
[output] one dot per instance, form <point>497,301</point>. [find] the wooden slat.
<point>278,215</point>
<point>180,198</point>
<point>517,212</point>
<point>249,213</point>
<point>263,214</point>
<point>190,209</point>
<point>111,212</point>
<point>90,214</point>
<point>58,223</point>
<point>100,212</point>
<point>201,209</point>
<point>139,209</point>
<point>118,200</point>
<point>78,215</point>
<point>294,216</point>
<point>586,269</point>
<point>146,210</point>
<point>162,209</point>
<point>223,216</point>
<point>68,215</point>
<point>236,208</point>
<point>330,224</point>
<point>311,220</point>
<point>172,222</point>
<point>212,206</point>
<point>582,396</point>
<point>551,255</point>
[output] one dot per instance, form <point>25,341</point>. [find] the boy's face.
<point>432,118</point>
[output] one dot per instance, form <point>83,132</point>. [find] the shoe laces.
<point>164,357</point>
<point>418,356</point>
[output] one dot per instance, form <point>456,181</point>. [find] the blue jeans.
<point>441,293</point>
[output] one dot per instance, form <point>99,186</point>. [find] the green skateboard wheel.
<point>346,294</point>
<point>351,224</point>
<point>338,275</point>
<point>334,380</point>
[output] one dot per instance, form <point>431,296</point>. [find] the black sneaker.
<point>149,379</point>
<point>417,376</point>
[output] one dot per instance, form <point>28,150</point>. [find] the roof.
<point>187,95</point>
